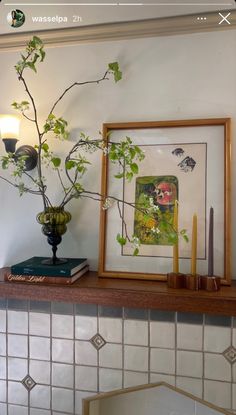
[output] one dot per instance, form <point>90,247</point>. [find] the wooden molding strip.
<point>167,26</point>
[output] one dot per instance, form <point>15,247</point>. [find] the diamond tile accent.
<point>230,354</point>
<point>28,382</point>
<point>98,341</point>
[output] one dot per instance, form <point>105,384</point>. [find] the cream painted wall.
<point>190,76</point>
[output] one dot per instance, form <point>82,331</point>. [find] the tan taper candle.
<point>176,245</point>
<point>194,246</point>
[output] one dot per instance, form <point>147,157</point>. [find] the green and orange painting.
<point>158,195</point>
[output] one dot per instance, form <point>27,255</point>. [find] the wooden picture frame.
<point>146,396</point>
<point>203,184</point>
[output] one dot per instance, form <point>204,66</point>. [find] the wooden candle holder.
<point>175,280</point>
<point>210,283</point>
<point>193,282</point>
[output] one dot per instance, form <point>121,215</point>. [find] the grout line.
<point>231,343</point>
<point>7,391</point>
<point>203,356</point>
<point>50,362</point>
<point>74,367</point>
<point>123,346</point>
<point>98,356</point>
<point>149,347</point>
<point>176,334</point>
<point>28,357</point>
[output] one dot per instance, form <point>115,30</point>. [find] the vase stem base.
<point>54,261</point>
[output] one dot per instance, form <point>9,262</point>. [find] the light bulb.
<point>9,126</point>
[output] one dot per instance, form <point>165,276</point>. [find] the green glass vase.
<point>54,221</point>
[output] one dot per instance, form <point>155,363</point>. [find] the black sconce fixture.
<point>9,128</point>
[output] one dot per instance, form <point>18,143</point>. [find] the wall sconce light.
<point>9,129</point>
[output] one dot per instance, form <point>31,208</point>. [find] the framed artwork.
<point>187,161</point>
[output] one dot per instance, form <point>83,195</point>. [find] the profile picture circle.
<point>16,18</point>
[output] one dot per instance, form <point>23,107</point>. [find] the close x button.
<point>224,18</point>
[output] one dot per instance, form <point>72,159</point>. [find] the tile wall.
<point>54,354</point>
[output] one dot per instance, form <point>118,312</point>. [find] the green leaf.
<point>186,238</point>
<point>42,53</point>
<point>70,164</point>
<point>121,240</point>
<point>56,161</point>
<point>114,67</point>
<point>134,168</point>
<point>183,231</point>
<point>45,147</point>
<point>31,65</point>
<point>119,175</point>
<point>136,251</point>
<point>129,176</point>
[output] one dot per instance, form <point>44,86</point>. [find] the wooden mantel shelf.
<point>128,293</point>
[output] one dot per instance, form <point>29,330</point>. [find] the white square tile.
<point>110,329</point>
<point>39,348</point>
<point>193,386</point>
<point>17,322</point>
<point>2,368</point>
<point>2,344</point>
<point>223,336</point>
<point>218,393</point>
<point>62,400</point>
<point>234,337</point>
<point>35,411</point>
<point>62,375</point>
<point>170,402</point>
<point>205,410</point>
<point>62,326</point>
<point>189,336</point>
<point>162,334</point>
<point>3,385</point>
<point>40,396</point>
<point>17,345</point>
<point>17,368</point>
<point>134,378</point>
<point>39,370</point>
<point>190,364</point>
<point>110,355</point>
<point>136,332</point>
<point>85,327</point>
<point>234,372</point>
<point>86,378</point>
<point>136,358</point>
<point>234,396</point>
<point>79,396</point>
<point>159,377</point>
<point>3,320</point>
<point>17,410</point>
<point>85,353</point>
<point>217,367</point>
<point>109,379</point>
<point>39,324</point>
<point>163,360</point>
<point>3,408</point>
<point>63,350</point>
<point>17,393</point>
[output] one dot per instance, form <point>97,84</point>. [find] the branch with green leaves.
<point>71,169</point>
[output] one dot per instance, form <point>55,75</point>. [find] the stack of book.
<point>33,271</point>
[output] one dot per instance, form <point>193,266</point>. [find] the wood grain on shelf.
<point>128,293</point>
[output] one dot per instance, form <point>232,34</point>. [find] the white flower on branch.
<point>155,230</point>
<point>107,203</point>
<point>136,242</point>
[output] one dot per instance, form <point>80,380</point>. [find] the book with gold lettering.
<point>44,279</point>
